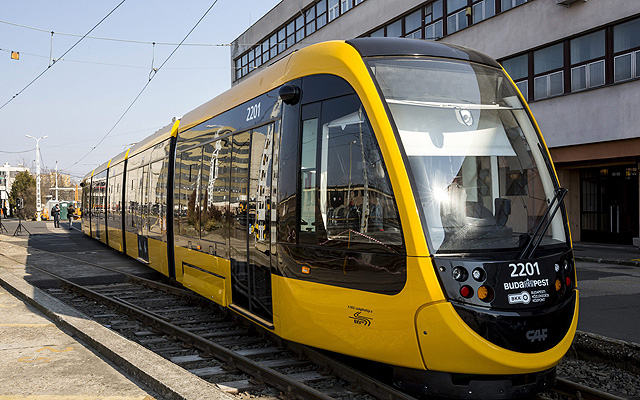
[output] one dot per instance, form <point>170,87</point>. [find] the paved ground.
<point>609,300</point>
<point>39,361</point>
<point>49,350</point>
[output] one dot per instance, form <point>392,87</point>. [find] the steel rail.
<point>364,382</point>
<point>579,391</point>
<point>245,364</point>
<point>359,379</point>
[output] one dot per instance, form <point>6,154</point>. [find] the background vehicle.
<point>388,199</point>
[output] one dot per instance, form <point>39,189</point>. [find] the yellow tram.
<point>388,199</point>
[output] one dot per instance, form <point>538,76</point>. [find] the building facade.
<point>577,62</point>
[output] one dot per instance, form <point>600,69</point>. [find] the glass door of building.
<point>609,204</point>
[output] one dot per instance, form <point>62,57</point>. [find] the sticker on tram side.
<point>360,319</point>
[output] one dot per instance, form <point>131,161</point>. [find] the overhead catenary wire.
<point>17,152</point>
<point>151,76</point>
<point>65,53</point>
<point>117,40</point>
<point>112,64</point>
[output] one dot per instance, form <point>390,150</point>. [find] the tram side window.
<point>132,195</point>
<point>157,199</point>
<point>346,196</point>
<point>85,200</point>
<point>99,193</point>
<point>308,177</point>
<point>216,161</point>
<point>188,207</point>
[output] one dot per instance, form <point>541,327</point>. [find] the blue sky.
<point>80,98</point>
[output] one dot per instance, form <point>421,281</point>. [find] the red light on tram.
<point>466,291</point>
<point>568,281</point>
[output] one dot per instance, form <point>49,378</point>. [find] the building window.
<point>252,61</point>
<point>245,61</point>
<point>395,29</point>
<point>311,20</point>
<point>334,10</point>
<point>378,33</point>
<point>238,68</point>
<point>265,51</point>
<point>358,2</point>
<point>273,46</point>
<point>518,70</point>
<point>291,33</point>
<point>433,21</point>
<point>299,28</point>
<point>586,70</point>
<point>627,66</point>
<point>626,48</point>
<point>482,10</point>
<point>456,22</point>
<point>549,76</point>
<point>282,40</point>
<point>346,5</point>
<point>456,15</point>
<point>509,4</point>
<point>413,25</point>
<point>258,53</point>
<point>321,12</point>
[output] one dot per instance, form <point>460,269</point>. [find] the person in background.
<point>70,211</point>
<point>55,213</point>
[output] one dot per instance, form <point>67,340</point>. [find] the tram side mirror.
<point>503,210</point>
<point>290,94</point>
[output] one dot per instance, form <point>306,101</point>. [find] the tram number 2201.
<point>524,269</point>
<point>253,112</point>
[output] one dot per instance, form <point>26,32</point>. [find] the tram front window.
<point>474,156</point>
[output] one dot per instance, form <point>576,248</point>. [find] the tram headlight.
<point>460,274</point>
<point>478,274</point>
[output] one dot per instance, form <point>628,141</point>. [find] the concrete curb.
<point>167,379</point>
<point>608,261</point>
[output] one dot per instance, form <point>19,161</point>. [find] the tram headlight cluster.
<point>565,275</point>
<point>484,293</point>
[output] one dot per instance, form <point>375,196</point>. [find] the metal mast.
<point>38,197</point>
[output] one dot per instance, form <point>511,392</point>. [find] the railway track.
<point>212,343</point>
<point>566,389</point>
<point>222,348</point>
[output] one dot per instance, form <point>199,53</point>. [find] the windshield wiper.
<point>452,105</point>
<point>554,205</point>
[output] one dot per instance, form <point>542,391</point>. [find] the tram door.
<point>251,213</point>
<point>143,220</point>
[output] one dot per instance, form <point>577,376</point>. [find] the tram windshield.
<point>475,159</point>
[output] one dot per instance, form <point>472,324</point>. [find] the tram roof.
<point>378,47</point>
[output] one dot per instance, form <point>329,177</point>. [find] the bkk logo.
<point>522,297</point>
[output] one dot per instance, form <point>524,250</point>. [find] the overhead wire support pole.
<point>38,193</point>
